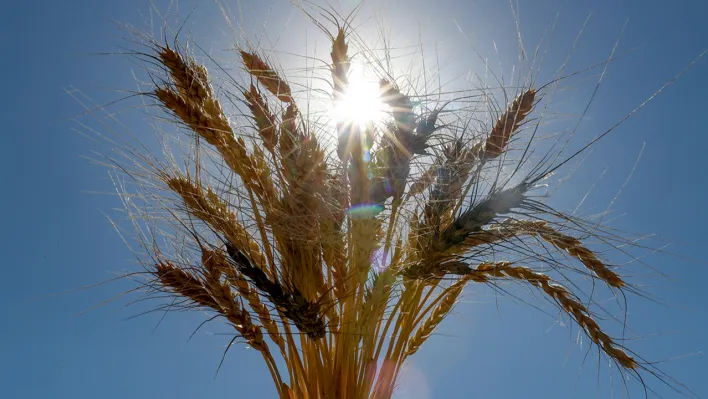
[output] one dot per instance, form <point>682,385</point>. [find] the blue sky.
<point>57,237</point>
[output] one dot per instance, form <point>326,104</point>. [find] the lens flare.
<point>364,211</point>
<point>380,260</point>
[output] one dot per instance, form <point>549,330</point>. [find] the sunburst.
<point>361,103</point>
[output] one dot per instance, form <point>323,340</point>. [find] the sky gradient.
<point>57,237</point>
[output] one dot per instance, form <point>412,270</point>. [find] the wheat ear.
<point>563,297</point>
<point>210,126</point>
<point>209,122</point>
<point>212,210</point>
<point>564,242</point>
<point>266,76</point>
<point>449,298</point>
<point>494,145</point>
<point>340,65</point>
<point>397,145</point>
<point>217,297</point>
<point>189,77</point>
<point>305,314</point>
<point>507,124</point>
<point>401,106</point>
<point>216,264</point>
<point>576,249</point>
<point>470,221</point>
<point>265,120</point>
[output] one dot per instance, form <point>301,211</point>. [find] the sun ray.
<point>361,102</point>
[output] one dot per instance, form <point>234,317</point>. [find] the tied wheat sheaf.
<point>338,262</point>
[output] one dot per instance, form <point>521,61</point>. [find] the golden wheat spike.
<point>266,76</point>
<point>213,295</point>
<point>212,210</point>
<point>184,283</point>
<point>576,249</point>
<point>449,297</point>
<point>209,123</point>
<point>190,78</point>
<point>508,123</point>
<point>210,128</point>
<point>563,297</point>
<point>340,65</point>
<point>215,264</point>
<point>265,120</point>
<point>517,228</point>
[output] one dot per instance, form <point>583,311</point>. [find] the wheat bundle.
<point>345,262</point>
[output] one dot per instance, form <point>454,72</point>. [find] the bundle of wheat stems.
<point>340,259</point>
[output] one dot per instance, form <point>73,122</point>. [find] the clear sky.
<point>57,238</point>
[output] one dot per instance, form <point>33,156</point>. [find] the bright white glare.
<point>361,103</point>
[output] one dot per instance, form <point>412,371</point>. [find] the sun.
<point>361,103</point>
